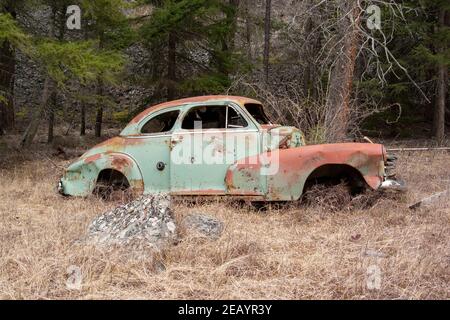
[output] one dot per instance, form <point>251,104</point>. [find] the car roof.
<point>199,99</point>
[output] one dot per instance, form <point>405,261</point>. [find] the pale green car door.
<point>205,145</point>
<point>151,149</point>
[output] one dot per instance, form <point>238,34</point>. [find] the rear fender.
<point>122,163</point>
<point>81,177</point>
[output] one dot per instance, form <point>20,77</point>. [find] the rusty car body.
<point>156,153</point>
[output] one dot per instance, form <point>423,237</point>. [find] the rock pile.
<point>146,221</point>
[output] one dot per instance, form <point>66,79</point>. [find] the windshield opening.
<point>257,112</point>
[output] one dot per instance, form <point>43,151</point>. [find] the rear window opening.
<point>163,122</point>
<point>257,112</point>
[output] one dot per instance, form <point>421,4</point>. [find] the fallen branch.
<point>420,149</point>
<point>442,196</point>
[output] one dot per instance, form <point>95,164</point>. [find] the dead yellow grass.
<point>282,253</point>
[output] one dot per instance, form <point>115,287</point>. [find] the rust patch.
<point>116,141</point>
<point>284,143</point>
<point>121,162</point>
<point>373,181</point>
<point>93,158</point>
<point>205,192</point>
<point>270,126</point>
<point>229,180</point>
<point>137,186</point>
<point>133,141</point>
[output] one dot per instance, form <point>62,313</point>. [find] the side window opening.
<point>214,117</point>
<point>257,112</point>
<point>163,122</point>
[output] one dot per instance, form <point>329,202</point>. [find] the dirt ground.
<point>384,251</point>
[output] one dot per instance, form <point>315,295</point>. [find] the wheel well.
<point>336,173</point>
<point>112,178</point>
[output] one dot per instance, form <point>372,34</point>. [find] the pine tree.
<point>181,29</point>
<point>10,39</point>
<point>58,29</point>
<point>421,43</point>
<point>61,62</point>
<point>108,25</point>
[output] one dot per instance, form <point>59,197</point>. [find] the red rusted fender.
<point>295,165</point>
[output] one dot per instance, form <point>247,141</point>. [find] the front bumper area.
<point>60,187</point>
<point>391,184</point>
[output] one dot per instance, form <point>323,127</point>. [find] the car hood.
<point>284,137</point>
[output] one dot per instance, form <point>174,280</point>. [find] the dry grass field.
<point>289,252</point>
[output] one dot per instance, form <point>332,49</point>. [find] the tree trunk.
<point>51,117</point>
<point>307,77</point>
<point>442,85</point>
<point>228,42</point>
<point>232,17</point>
<point>7,70</point>
<point>341,77</point>
<point>248,30</point>
<point>439,110</point>
<point>171,66</point>
<point>267,23</point>
<point>32,128</point>
<point>99,115</point>
<point>83,119</point>
<point>98,121</point>
<point>58,26</point>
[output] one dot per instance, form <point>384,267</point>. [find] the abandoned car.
<point>221,145</point>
